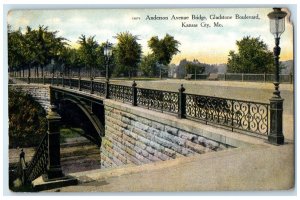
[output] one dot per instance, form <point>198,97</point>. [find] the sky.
<point>206,44</point>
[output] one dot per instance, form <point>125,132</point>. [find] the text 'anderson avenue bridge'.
<point>237,115</point>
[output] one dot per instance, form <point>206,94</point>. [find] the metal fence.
<point>37,166</point>
<point>283,78</point>
<point>236,114</point>
<point>163,101</point>
<point>246,116</point>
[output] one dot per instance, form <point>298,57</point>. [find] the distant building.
<point>176,71</point>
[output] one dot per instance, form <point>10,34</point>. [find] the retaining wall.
<point>134,135</point>
<point>41,93</point>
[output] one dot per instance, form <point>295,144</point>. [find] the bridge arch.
<point>81,112</point>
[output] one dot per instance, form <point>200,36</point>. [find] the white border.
<point>129,4</point>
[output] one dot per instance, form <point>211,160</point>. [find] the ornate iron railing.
<point>120,92</point>
<point>158,100</point>
<point>85,85</point>
<point>73,83</point>
<point>37,166</point>
<point>99,88</point>
<point>236,114</point>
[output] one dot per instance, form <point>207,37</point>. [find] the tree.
<point>15,53</point>
<point>34,47</point>
<point>128,53</point>
<point>44,45</point>
<point>194,66</point>
<point>88,51</point>
<point>164,49</point>
<point>148,65</point>
<point>253,57</point>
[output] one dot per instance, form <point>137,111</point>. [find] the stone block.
<point>144,153</point>
<point>171,130</point>
<point>172,138</point>
<point>140,144</point>
<point>115,116</point>
<point>161,155</point>
<point>142,159</point>
<point>132,134</point>
<point>212,145</point>
<point>121,124</point>
<point>153,158</point>
<point>126,120</point>
<point>137,149</point>
<point>195,147</point>
<point>144,140</point>
<point>186,152</point>
<point>156,146</point>
<point>130,116</point>
<point>106,142</point>
<point>150,150</point>
<point>169,152</point>
<point>202,141</point>
<point>140,132</point>
<point>117,161</point>
<point>140,126</point>
<point>153,131</point>
<point>144,121</point>
<point>186,135</point>
<point>164,143</point>
<point>158,126</point>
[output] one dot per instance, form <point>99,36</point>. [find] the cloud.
<point>53,21</point>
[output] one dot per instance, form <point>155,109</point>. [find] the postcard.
<point>151,99</point>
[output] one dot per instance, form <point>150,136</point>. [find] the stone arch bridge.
<point>135,125</point>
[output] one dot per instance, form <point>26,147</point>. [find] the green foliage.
<point>88,51</point>
<point>127,53</point>
<point>71,59</point>
<point>191,66</point>
<point>70,132</point>
<point>27,120</point>
<point>149,66</point>
<point>15,52</point>
<point>164,49</point>
<point>34,47</point>
<point>253,57</point>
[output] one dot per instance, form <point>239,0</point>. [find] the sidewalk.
<point>261,167</point>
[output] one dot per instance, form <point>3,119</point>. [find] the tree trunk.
<point>42,68</point>
<point>29,74</point>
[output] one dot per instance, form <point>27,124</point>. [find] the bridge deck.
<point>260,167</point>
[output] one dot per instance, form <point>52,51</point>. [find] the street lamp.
<point>195,66</point>
<point>52,63</point>
<point>107,54</point>
<point>277,27</point>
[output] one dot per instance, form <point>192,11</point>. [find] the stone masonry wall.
<point>135,139</point>
<point>39,92</point>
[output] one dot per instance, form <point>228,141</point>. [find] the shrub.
<point>27,120</point>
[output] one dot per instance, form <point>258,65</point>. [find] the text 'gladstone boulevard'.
<point>202,17</point>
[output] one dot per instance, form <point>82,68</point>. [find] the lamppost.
<point>107,54</point>
<point>277,27</point>
<point>195,66</point>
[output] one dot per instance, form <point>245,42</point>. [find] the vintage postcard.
<point>151,99</point>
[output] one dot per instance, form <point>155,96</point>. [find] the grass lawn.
<point>70,133</point>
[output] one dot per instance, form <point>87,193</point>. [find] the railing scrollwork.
<point>235,114</point>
